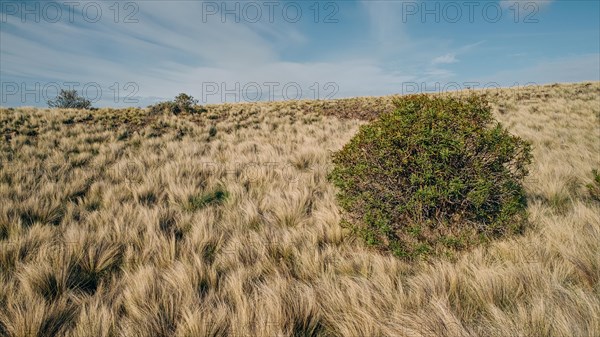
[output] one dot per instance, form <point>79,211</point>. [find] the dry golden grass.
<point>164,230</point>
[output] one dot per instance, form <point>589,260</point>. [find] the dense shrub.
<point>182,103</point>
<point>164,107</point>
<point>69,99</point>
<point>436,175</point>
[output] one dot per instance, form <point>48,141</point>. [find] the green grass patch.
<point>199,201</point>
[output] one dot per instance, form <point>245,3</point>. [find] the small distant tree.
<point>70,99</point>
<point>185,102</point>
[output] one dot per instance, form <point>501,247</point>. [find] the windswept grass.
<point>128,223</point>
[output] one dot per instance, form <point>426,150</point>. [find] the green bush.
<point>182,103</point>
<point>434,176</point>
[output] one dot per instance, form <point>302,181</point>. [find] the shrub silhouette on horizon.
<point>435,176</point>
<point>183,103</point>
<point>69,99</point>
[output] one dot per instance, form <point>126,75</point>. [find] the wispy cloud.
<point>386,25</point>
<point>445,59</point>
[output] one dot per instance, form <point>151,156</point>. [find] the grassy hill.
<point>128,223</point>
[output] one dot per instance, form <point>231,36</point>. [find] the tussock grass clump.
<point>437,173</point>
<point>594,187</point>
<point>199,201</point>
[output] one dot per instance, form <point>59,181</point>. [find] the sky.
<point>136,53</point>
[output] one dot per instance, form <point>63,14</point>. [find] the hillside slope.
<point>123,223</point>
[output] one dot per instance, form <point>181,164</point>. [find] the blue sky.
<point>134,53</point>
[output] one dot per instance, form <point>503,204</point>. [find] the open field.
<point>122,223</point>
